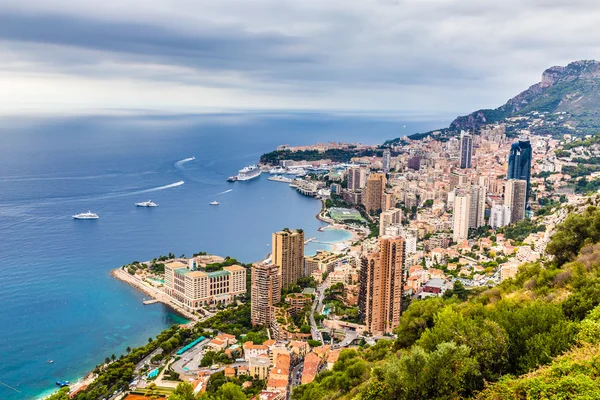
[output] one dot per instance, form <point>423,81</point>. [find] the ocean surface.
<point>57,299</point>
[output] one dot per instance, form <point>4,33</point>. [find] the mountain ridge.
<point>567,98</point>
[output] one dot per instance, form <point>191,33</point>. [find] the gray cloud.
<point>429,56</point>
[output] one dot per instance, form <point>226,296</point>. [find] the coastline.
<point>158,295</point>
<point>154,292</point>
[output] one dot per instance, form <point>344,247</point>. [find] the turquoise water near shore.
<point>58,299</point>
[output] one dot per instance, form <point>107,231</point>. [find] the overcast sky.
<point>422,57</point>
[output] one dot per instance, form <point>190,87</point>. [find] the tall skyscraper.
<point>382,278</point>
<point>357,178</point>
<point>466,149</point>
<point>288,254</point>
<point>386,162</point>
<point>477,206</point>
<point>374,190</point>
<point>389,217</point>
<point>460,215</point>
<point>265,292</point>
<point>499,216</point>
<point>519,163</point>
<point>515,197</point>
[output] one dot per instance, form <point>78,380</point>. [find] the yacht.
<point>148,203</point>
<point>249,172</point>
<point>299,171</point>
<point>214,203</point>
<point>87,215</point>
<point>277,171</point>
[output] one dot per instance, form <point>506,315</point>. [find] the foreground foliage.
<point>495,344</point>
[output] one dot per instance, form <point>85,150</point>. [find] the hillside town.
<point>430,218</point>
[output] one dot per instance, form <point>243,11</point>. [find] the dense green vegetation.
<point>335,155</point>
<point>117,374</point>
<point>519,231</point>
<point>580,170</point>
<point>488,345</point>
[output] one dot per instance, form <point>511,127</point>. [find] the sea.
<point>58,300</point>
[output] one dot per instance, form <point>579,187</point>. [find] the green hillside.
<point>495,344</point>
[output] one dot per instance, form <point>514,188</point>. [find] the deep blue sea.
<point>57,299</point>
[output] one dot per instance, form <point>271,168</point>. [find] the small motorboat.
<point>214,203</point>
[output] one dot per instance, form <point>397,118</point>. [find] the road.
<point>146,360</point>
<point>317,306</point>
<point>189,362</point>
<point>296,374</point>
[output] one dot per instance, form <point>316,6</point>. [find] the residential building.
<point>460,216</point>
<point>323,261</point>
<point>357,178</point>
<point>266,292</point>
<point>195,289</point>
<point>389,217</point>
<point>288,254</point>
<point>466,149</point>
<point>374,190</point>
<point>519,163</point>
<point>382,278</point>
<point>499,216</point>
<point>259,366</point>
<point>477,206</point>
<point>515,197</point>
<point>386,161</point>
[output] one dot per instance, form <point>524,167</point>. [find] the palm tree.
<point>113,357</point>
<point>149,340</point>
<point>128,349</point>
<point>107,360</point>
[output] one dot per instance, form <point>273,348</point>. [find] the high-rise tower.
<point>288,254</point>
<point>265,293</point>
<point>519,163</point>
<point>466,149</point>
<point>382,278</point>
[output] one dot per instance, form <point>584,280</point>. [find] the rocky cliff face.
<point>573,88</point>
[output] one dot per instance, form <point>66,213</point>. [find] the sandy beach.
<point>152,291</point>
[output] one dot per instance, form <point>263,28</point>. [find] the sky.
<point>417,57</point>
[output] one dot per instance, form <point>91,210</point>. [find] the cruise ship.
<point>148,203</point>
<point>87,215</point>
<point>249,172</point>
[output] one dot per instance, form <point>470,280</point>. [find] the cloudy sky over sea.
<point>418,57</point>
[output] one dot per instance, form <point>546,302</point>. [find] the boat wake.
<point>226,191</point>
<point>179,164</point>
<point>159,188</point>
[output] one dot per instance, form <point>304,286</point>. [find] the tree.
<point>416,319</point>
<point>183,391</point>
<point>230,391</point>
<point>487,340</point>
<point>421,375</point>
<point>458,290</point>
<point>577,230</point>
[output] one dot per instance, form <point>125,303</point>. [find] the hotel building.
<point>195,289</point>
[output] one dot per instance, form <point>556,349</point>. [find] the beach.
<point>154,292</point>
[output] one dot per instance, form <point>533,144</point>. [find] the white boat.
<point>214,203</point>
<point>277,171</point>
<point>148,203</point>
<point>297,171</point>
<point>87,215</point>
<point>249,172</point>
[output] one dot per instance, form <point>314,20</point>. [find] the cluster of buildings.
<point>190,285</point>
<point>428,196</point>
